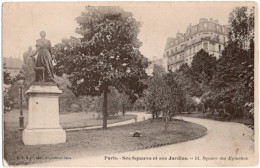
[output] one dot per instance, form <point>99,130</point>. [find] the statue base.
<point>43,116</point>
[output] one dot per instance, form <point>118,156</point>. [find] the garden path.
<point>224,139</point>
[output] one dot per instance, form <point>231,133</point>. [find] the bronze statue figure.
<point>43,64</point>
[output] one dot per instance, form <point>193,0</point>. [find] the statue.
<point>43,125</point>
<point>43,64</point>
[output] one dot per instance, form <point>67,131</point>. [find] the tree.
<point>190,87</point>
<point>202,68</point>
<point>233,81</point>
<point>106,56</point>
<point>164,95</point>
<point>139,104</point>
<point>170,97</point>
<point>242,22</point>
<point>116,102</point>
<point>28,68</point>
<point>123,100</point>
<point>190,104</point>
<point>152,93</point>
<point>8,79</point>
<point>113,103</point>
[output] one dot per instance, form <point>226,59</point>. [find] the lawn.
<point>86,143</point>
<point>68,120</point>
<point>81,121</point>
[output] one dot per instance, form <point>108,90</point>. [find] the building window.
<point>213,47</point>
<point>205,25</point>
<point>219,47</point>
<point>205,46</point>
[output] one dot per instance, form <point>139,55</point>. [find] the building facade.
<point>207,35</point>
<point>12,65</point>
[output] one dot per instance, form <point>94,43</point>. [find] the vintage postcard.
<point>130,84</point>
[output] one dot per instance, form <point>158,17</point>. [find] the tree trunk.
<point>123,109</point>
<point>105,114</point>
<point>166,121</point>
<point>153,113</point>
<point>203,108</point>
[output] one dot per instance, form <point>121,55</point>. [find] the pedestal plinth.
<point>43,116</point>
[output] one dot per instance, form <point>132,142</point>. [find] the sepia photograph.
<point>151,84</point>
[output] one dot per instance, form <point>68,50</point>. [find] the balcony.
<point>175,61</point>
<point>208,38</point>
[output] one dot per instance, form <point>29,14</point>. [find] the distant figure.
<point>44,69</point>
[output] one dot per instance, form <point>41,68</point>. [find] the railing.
<point>208,38</point>
<point>174,61</point>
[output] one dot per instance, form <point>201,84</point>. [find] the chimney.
<point>203,20</point>
<point>178,35</point>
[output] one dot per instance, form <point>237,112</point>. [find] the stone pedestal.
<point>43,116</point>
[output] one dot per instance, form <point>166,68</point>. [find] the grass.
<point>83,122</point>
<point>242,120</point>
<point>98,141</point>
<point>68,120</point>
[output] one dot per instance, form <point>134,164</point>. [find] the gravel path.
<point>224,139</point>
<point>140,116</point>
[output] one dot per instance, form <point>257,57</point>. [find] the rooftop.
<point>12,63</point>
<point>213,25</point>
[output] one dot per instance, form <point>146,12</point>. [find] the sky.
<point>22,22</point>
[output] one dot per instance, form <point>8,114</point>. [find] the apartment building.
<point>207,34</point>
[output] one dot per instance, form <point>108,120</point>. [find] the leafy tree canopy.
<point>203,66</point>
<point>106,55</point>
